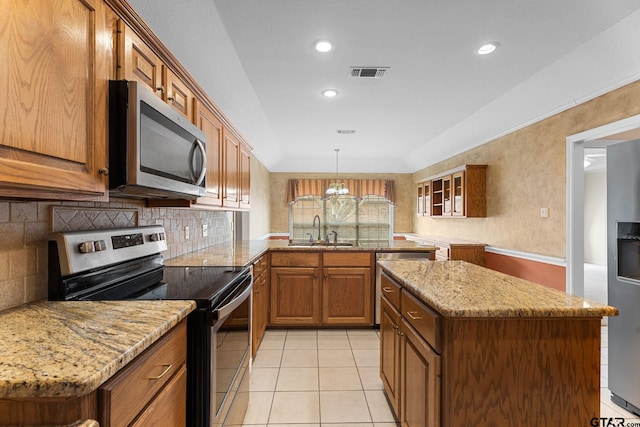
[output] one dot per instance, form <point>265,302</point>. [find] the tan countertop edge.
<point>460,289</point>
<point>442,239</point>
<point>69,348</point>
<point>248,251</point>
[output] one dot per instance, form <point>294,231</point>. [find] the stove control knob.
<point>100,245</point>
<point>156,237</point>
<point>86,247</point>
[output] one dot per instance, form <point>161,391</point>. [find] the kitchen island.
<point>462,345</point>
<point>56,354</point>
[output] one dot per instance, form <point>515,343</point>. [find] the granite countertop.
<point>69,348</point>
<point>247,251</point>
<point>460,289</point>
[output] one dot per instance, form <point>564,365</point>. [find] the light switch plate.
<point>186,233</point>
<point>544,212</point>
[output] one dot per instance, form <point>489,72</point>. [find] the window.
<point>367,221</point>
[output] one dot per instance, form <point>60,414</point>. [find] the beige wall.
<point>260,215</point>
<point>403,212</point>
<point>527,172</point>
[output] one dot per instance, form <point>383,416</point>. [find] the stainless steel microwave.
<point>154,151</point>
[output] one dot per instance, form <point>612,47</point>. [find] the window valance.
<point>357,187</point>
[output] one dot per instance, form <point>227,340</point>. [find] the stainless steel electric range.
<point>127,263</point>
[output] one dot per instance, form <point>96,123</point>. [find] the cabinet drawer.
<point>347,259</point>
<point>424,320</point>
<point>391,290</point>
<point>127,393</point>
<point>295,259</point>
<point>260,266</point>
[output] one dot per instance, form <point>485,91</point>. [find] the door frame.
<point>575,196</point>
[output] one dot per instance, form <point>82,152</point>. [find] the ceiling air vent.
<point>368,72</point>
<point>346,131</point>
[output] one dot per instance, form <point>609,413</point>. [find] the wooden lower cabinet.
<point>390,353</point>
<point>151,390</point>
<point>346,296</point>
<point>295,296</point>
<point>260,307</point>
<point>321,289</point>
<point>488,371</point>
<point>419,380</point>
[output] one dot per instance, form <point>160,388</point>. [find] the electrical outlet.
<point>186,233</point>
<point>544,212</point>
<point>205,230</point>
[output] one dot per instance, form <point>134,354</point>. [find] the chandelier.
<point>337,188</point>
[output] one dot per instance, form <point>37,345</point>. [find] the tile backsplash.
<point>24,227</point>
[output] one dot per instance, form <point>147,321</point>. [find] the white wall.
<point>595,218</point>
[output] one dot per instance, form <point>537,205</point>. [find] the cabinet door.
<point>245,177</point>
<point>137,62</point>
<point>447,205</point>
<point>54,99</point>
<point>437,197</point>
<point>347,296</point>
<point>295,296</point>
<point>457,194</point>
<point>212,127</point>
<point>256,314</point>
<point>390,353</point>
<point>169,407</point>
<point>424,198</point>
<point>177,95</point>
<point>231,168</point>
<point>419,381</point>
<point>420,199</point>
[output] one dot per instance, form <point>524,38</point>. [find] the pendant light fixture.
<point>337,188</point>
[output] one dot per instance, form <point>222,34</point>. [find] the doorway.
<point>600,137</point>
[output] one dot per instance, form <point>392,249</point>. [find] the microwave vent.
<point>368,72</point>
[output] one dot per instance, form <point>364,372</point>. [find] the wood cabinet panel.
<point>347,296</point>
<point>212,127</point>
<point>295,259</point>
<point>261,298</point>
<point>347,259</point>
<point>391,290</point>
<point>424,320</point>
<point>419,381</point>
<point>390,352</point>
<point>245,178</point>
<point>231,168</point>
<point>168,409</point>
<point>295,296</point>
<point>178,96</point>
<point>55,71</point>
<point>138,62</point>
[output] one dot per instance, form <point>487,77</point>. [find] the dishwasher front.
<point>388,256</point>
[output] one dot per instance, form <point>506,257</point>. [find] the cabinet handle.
<point>400,334</point>
<point>103,171</point>
<point>167,369</point>
<point>160,89</point>
<point>396,327</point>
<point>412,314</point>
<point>388,290</point>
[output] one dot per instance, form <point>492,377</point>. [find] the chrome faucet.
<point>314,224</point>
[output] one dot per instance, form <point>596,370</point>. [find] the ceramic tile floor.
<point>313,378</point>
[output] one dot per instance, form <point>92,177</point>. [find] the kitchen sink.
<point>321,244</point>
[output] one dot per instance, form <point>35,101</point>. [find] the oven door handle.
<point>228,308</point>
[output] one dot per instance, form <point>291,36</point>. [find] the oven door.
<point>230,345</point>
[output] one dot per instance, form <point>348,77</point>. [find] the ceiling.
<point>438,98</point>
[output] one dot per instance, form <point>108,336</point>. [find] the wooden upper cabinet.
<point>53,138</point>
<point>177,94</point>
<point>212,127</point>
<point>245,178</point>
<point>460,192</point>
<point>231,168</point>
<point>137,62</point>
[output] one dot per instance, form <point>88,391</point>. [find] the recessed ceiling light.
<point>330,93</point>
<point>487,48</point>
<point>323,45</point>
